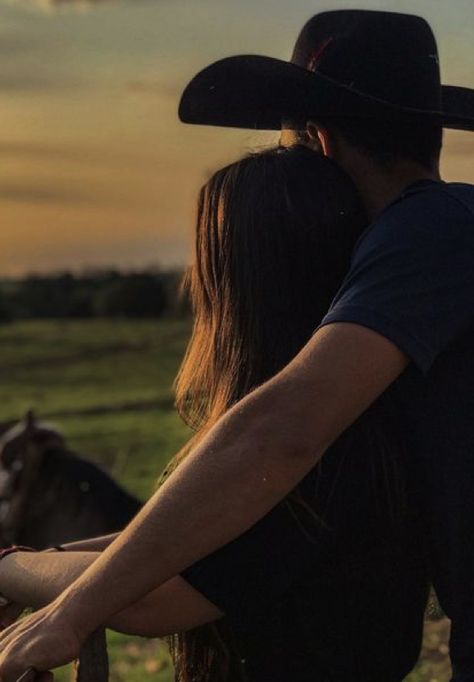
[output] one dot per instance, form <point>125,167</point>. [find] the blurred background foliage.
<point>104,293</point>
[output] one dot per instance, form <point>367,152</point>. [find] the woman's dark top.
<point>331,590</point>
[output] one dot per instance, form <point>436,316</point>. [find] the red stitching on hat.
<point>316,55</point>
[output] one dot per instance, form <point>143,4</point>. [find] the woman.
<point>329,585</point>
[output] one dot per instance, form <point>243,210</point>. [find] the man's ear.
<point>317,132</point>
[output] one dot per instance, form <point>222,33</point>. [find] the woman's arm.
<point>36,579</point>
<point>90,544</point>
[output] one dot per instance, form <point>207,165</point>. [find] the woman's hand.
<point>39,643</point>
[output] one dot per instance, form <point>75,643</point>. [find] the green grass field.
<point>108,386</point>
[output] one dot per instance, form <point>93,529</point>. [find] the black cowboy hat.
<point>369,64</point>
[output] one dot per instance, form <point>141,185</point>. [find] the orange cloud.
<point>51,5</point>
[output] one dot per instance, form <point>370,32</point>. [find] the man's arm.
<point>256,454</point>
<point>253,457</point>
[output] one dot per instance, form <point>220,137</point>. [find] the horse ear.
<point>30,421</point>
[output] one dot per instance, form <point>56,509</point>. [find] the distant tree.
<point>40,296</point>
<point>87,289</point>
<point>81,304</point>
<point>5,309</point>
<point>95,293</point>
<point>135,295</point>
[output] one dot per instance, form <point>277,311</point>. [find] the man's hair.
<point>386,142</point>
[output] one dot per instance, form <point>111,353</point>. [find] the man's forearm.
<point>245,466</point>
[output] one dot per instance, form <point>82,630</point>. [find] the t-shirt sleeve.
<point>251,574</point>
<point>412,276</point>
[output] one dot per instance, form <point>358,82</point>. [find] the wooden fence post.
<point>93,663</point>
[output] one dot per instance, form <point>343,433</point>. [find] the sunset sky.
<point>96,168</point>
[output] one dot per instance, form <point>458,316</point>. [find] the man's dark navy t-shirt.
<point>412,280</point>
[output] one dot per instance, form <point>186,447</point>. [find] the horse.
<point>49,495</point>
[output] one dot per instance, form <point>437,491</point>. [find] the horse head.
<point>29,438</point>
<point>22,449</point>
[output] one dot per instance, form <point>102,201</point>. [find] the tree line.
<point>101,294</point>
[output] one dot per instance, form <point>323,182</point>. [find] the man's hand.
<point>43,641</point>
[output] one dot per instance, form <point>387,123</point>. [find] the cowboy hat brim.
<point>252,91</point>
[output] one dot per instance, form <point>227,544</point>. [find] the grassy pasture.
<point>108,386</point>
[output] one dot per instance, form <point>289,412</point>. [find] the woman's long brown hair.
<point>275,233</point>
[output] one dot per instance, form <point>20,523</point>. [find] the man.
<point>403,321</point>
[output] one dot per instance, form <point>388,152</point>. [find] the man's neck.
<point>380,187</point>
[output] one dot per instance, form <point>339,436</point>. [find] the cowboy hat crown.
<point>345,63</point>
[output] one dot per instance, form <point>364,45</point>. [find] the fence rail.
<point>93,663</point>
